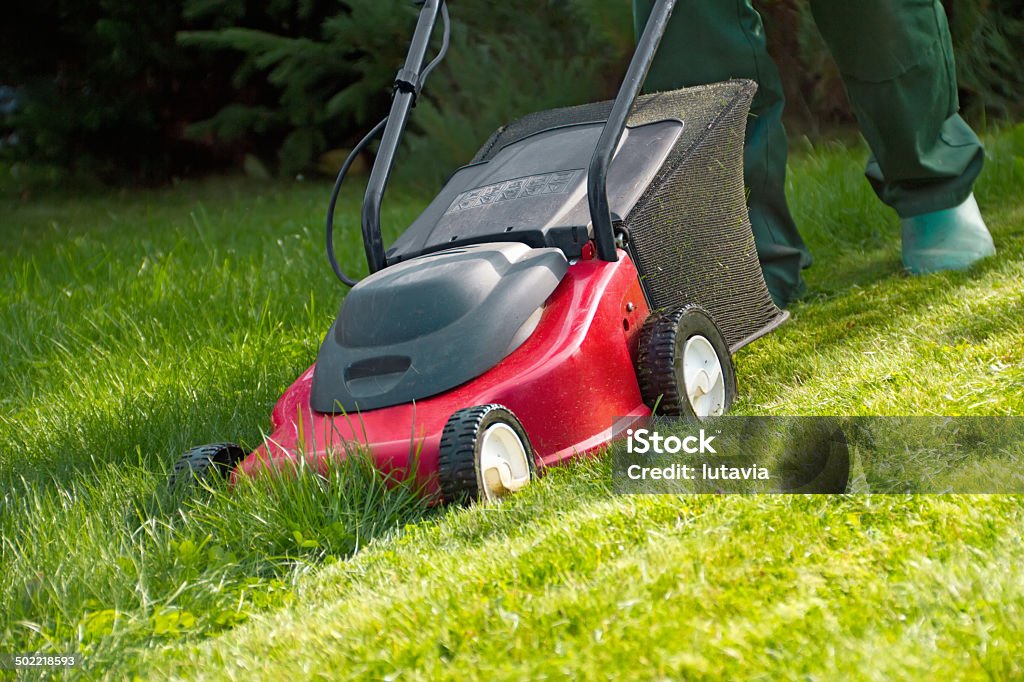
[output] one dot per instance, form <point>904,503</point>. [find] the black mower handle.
<point>597,176</point>
<point>407,87</point>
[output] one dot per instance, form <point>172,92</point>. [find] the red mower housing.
<point>566,383</point>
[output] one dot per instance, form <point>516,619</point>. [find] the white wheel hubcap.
<point>504,467</point>
<point>703,377</point>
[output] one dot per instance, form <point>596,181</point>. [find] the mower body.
<point>495,293</point>
<point>566,383</point>
<point>526,283</point>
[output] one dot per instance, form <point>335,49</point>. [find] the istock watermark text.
<point>645,441</point>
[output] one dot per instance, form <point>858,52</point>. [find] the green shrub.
<point>142,92</point>
<point>102,87</point>
<point>105,88</point>
<point>989,38</point>
<point>505,60</point>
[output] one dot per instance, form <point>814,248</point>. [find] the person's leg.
<point>707,42</point>
<point>896,59</point>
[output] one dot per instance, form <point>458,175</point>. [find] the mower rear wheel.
<point>684,367</point>
<point>206,462</point>
<point>485,455</point>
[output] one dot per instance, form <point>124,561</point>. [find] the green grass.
<point>133,326</point>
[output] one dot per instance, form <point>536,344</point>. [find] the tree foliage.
<point>102,85</point>
<point>505,59</point>
<point>141,91</point>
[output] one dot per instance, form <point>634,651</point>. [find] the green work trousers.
<point>896,61</point>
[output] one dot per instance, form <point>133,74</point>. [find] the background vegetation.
<point>142,92</point>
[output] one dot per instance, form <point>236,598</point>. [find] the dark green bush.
<point>989,37</point>
<point>506,59</point>
<point>140,91</point>
<point>102,87</point>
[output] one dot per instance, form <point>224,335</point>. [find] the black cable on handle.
<point>363,143</point>
<point>345,279</point>
<point>446,34</point>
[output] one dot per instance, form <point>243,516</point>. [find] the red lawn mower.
<point>591,264</point>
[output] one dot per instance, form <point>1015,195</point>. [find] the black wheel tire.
<point>458,460</point>
<point>205,462</point>
<point>659,359</point>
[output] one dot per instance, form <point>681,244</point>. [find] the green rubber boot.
<point>953,239</point>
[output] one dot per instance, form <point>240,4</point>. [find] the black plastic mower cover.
<point>535,191</point>
<point>421,327</point>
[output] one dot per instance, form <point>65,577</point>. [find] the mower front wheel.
<point>206,463</point>
<point>684,367</point>
<point>485,455</point>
